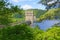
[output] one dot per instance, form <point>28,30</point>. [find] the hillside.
<point>51,14</point>
<point>38,12</point>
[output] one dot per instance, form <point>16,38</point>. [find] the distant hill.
<point>38,12</point>
<point>51,14</point>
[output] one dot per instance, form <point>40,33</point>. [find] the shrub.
<point>18,32</point>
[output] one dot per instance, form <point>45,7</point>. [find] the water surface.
<point>46,24</point>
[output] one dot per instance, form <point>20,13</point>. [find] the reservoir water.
<point>46,24</point>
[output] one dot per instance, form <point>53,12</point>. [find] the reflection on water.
<point>46,24</point>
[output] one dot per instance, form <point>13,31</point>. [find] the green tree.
<point>7,11</point>
<point>18,32</point>
<point>4,12</point>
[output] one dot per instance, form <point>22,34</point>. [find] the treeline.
<point>25,32</point>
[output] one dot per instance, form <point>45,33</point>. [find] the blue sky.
<point>27,4</point>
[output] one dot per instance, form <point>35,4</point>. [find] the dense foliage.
<point>24,32</point>
<point>51,14</point>
<point>7,11</point>
<point>4,12</point>
<point>18,32</point>
<point>50,34</point>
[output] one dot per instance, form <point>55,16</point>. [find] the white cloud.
<point>15,0</point>
<point>25,7</point>
<point>21,0</point>
<point>26,0</point>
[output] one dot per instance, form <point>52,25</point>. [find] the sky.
<point>27,4</point>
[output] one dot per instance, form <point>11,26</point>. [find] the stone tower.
<point>29,16</point>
